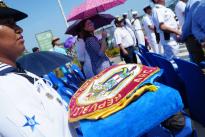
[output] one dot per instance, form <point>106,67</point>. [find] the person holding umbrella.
<point>29,107</point>
<point>83,55</point>
<point>76,28</point>
<point>95,48</point>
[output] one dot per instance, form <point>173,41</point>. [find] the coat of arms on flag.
<point>111,90</point>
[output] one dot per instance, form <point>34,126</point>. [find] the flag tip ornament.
<point>134,13</point>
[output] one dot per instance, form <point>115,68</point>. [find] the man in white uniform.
<point>127,21</point>
<point>138,28</point>
<point>150,30</point>
<point>29,107</point>
<point>126,40</point>
<point>164,20</point>
<point>179,10</point>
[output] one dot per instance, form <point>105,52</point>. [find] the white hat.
<point>134,12</point>
<point>125,13</point>
<point>117,16</point>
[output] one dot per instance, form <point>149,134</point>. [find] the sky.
<point>45,15</point>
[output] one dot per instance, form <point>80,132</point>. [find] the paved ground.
<point>183,53</point>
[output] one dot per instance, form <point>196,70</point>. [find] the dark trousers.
<point>131,57</point>
<point>195,49</point>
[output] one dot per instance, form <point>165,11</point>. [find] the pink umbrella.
<point>92,7</point>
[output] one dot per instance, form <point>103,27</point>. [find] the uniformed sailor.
<point>150,30</point>
<point>127,20</point>
<point>166,23</point>
<point>138,28</point>
<point>29,107</point>
<point>180,11</point>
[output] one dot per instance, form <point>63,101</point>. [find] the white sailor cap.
<point>125,13</point>
<point>134,13</point>
<point>119,19</point>
<point>117,16</point>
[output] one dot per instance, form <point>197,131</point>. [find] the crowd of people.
<point>30,105</point>
<point>161,29</point>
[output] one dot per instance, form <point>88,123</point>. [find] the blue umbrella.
<point>42,63</point>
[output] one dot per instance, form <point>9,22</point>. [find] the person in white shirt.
<point>138,28</point>
<point>179,10</point>
<point>83,56</point>
<point>127,21</point>
<point>150,30</point>
<point>164,20</point>
<point>29,106</point>
<point>126,40</point>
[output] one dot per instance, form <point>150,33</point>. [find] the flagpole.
<point>62,12</point>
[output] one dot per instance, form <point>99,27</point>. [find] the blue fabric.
<point>170,76</point>
<point>194,80</point>
<point>78,72</point>
<point>65,92</point>
<point>160,131</point>
<point>149,57</point>
<point>55,80</point>
<point>143,60</point>
<point>69,76</point>
<point>142,48</point>
<point>198,22</point>
<point>137,118</point>
<point>187,27</point>
<point>202,64</point>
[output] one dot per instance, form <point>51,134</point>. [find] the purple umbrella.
<point>99,20</point>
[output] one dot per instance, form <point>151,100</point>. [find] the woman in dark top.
<point>95,48</point>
